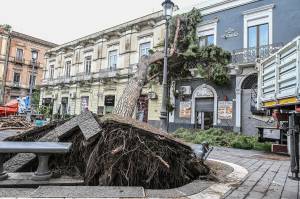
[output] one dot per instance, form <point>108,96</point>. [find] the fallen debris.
<point>125,152</point>
<point>14,122</point>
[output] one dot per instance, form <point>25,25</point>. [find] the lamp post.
<point>168,6</point>
<point>34,54</point>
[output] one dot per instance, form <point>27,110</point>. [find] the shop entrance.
<point>64,103</point>
<point>204,108</point>
<point>109,103</point>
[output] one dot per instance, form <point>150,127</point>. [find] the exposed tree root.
<point>124,154</point>
<point>127,153</point>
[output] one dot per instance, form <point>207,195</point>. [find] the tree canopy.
<point>211,61</point>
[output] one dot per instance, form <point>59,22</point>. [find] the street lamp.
<point>34,55</point>
<point>168,6</point>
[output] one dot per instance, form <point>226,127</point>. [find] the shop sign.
<point>109,100</point>
<point>185,109</point>
<point>225,110</point>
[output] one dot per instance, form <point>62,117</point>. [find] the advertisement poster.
<point>185,109</point>
<point>225,110</point>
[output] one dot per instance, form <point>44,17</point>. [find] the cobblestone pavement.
<point>267,178</point>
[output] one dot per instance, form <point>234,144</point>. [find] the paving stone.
<point>16,192</point>
<point>263,184</point>
<point>24,180</point>
<point>88,192</point>
<point>194,187</point>
<point>18,161</point>
<point>237,194</point>
<point>254,195</point>
<point>291,189</point>
<point>168,193</point>
<point>255,166</point>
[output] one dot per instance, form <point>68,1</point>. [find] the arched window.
<point>250,83</point>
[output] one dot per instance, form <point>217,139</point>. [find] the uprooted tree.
<point>129,153</point>
<point>184,54</point>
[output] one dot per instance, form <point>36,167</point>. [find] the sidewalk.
<point>267,176</point>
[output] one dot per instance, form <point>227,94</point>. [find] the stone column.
<point>238,110</point>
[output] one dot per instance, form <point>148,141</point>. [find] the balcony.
<point>36,64</point>
<point>83,76</point>
<point>107,73</point>
<point>48,82</point>
<point>247,56</point>
<point>16,84</point>
<point>19,60</point>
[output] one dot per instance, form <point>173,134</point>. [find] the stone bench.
<point>42,149</point>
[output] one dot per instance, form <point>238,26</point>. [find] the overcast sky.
<point>61,21</point>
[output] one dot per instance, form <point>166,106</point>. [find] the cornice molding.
<point>259,9</point>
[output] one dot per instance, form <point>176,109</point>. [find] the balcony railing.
<point>36,64</point>
<point>250,55</point>
<point>82,76</point>
<point>19,60</point>
<point>16,84</point>
<point>107,73</point>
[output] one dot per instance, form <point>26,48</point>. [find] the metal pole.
<point>294,142</point>
<point>163,111</point>
<point>29,111</point>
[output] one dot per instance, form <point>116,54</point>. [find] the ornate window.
<point>87,65</point>
<point>144,49</point>
<point>51,72</point>
<point>112,59</point>
<point>258,25</point>
<point>68,69</point>
<point>207,32</point>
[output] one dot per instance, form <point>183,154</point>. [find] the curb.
<point>217,190</point>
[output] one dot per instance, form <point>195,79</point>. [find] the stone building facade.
<point>4,43</point>
<point>16,63</point>
<point>92,72</point>
<point>250,30</point>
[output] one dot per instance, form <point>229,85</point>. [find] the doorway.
<point>204,108</point>
<point>142,109</point>
<point>64,103</point>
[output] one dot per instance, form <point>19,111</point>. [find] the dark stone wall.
<point>222,91</point>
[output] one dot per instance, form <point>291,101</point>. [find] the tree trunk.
<point>127,102</point>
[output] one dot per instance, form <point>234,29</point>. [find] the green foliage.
<point>211,61</point>
<point>187,37</point>
<point>35,97</point>
<point>219,137</point>
<point>213,64</point>
<point>45,110</point>
<point>6,27</point>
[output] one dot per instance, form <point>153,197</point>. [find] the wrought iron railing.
<point>250,55</point>
<point>82,76</point>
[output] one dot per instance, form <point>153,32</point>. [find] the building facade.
<point>4,43</point>
<point>92,72</point>
<point>250,30</point>
<point>16,63</point>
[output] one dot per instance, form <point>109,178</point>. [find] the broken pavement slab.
<point>87,124</point>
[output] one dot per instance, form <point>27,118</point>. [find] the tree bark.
<point>127,102</point>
